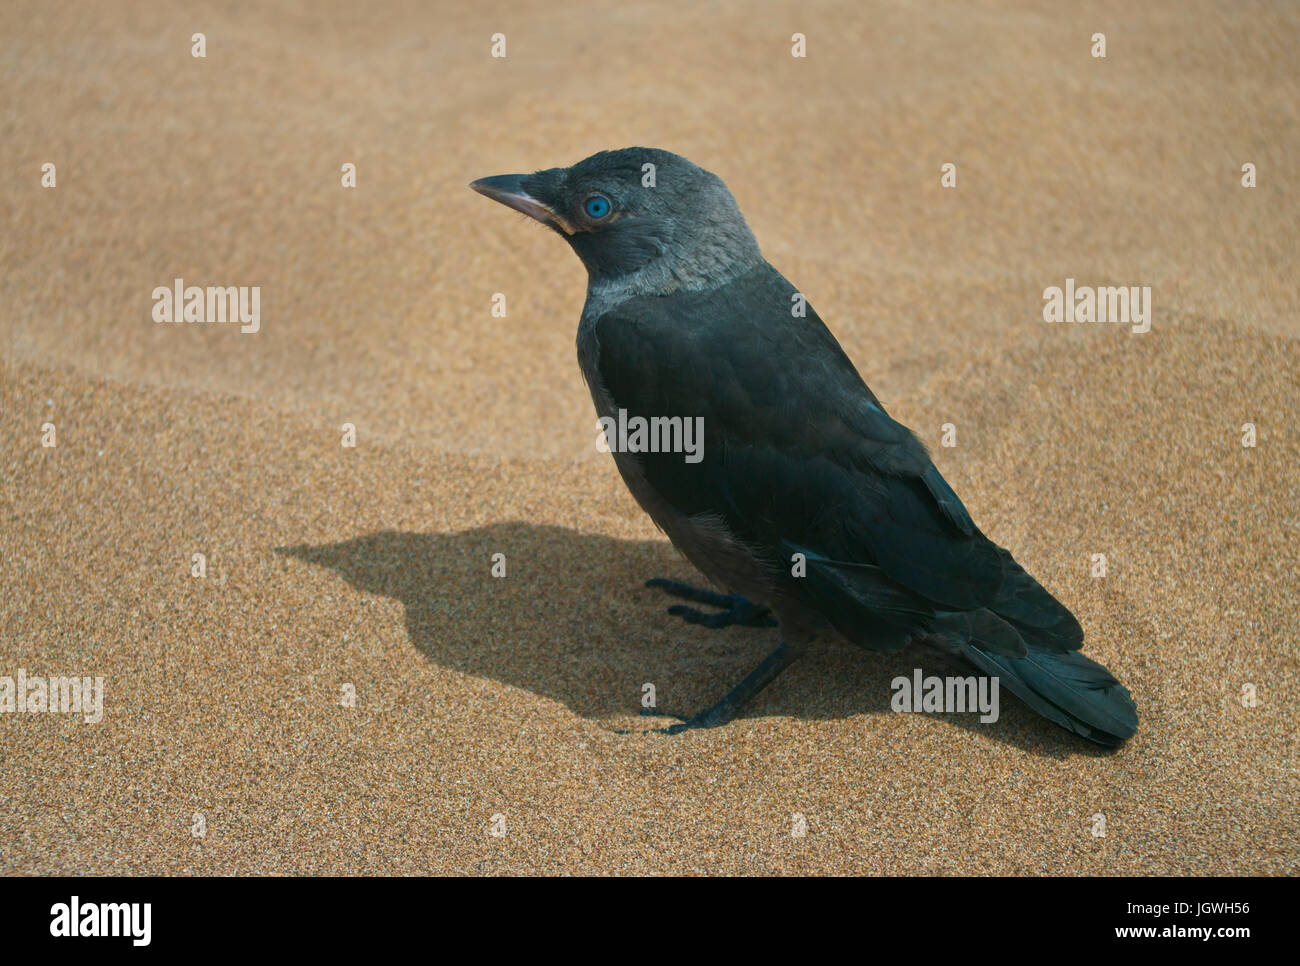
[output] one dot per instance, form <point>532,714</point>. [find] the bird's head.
<point>639,218</point>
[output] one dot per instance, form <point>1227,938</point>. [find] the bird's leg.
<point>739,696</point>
<point>735,608</point>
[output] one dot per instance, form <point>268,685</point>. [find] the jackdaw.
<point>810,505</point>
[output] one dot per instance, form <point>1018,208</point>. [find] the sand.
<point>370,566</point>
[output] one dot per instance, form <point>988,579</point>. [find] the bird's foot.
<point>735,609</point>
<point>680,724</point>
<point>717,715</point>
<point>707,719</point>
<point>735,699</point>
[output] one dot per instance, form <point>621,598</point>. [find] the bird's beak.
<point>508,189</point>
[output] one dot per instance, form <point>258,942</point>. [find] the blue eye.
<point>596,207</point>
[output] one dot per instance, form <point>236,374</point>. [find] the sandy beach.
<point>348,689</point>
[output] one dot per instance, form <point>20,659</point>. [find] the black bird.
<point>684,318</point>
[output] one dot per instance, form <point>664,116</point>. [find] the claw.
<point>735,699</point>
<point>734,609</point>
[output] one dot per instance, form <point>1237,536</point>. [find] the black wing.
<point>800,457</point>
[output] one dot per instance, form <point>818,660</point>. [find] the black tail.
<point>869,608</point>
<point>1064,686</point>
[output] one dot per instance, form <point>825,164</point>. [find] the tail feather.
<point>1065,687</point>
<point>1026,638</point>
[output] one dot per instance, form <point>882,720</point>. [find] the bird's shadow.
<point>571,620</point>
